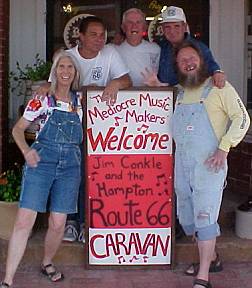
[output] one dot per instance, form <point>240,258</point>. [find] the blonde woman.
<point>52,168</point>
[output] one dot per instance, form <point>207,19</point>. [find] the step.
<point>230,247</point>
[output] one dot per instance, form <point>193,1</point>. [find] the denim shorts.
<point>54,183</point>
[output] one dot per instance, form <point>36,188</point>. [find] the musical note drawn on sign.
<point>144,128</point>
<point>161,179</point>
<point>133,258</point>
<point>93,174</point>
<point>116,120</point>
<point>164,192</point>
<point>121,259</point>
<point>145,258</point>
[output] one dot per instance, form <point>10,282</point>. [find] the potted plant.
<point>24,78</point>
<point>10,186</point>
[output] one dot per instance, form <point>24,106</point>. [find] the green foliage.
<point>40,70</point>
<point>10,184</point>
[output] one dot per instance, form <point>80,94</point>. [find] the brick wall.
<point>4,43</point>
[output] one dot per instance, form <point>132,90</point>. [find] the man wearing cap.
<point>174,27</point>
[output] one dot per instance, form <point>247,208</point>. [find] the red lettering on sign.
<point>112,141</point>
<point>92,240</point>
<point>118,244</point>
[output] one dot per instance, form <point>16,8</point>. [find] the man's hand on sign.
<point>151,80</point>
<point>109,94</point>
<point>217,160</point>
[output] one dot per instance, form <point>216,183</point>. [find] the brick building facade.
<point>4,43</point>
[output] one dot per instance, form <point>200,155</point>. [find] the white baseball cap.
<point>173,14</point>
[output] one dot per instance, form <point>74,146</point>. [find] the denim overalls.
<point>57,176</point>
<point>198,190</point>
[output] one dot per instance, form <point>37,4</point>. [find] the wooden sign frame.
<point>129,179</point>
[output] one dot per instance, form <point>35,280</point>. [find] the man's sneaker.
<point>70,234</point>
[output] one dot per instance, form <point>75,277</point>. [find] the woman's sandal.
<point>51,273</point>
<point>4,285</point>
<point>202,283</point>
<point>215,266</point>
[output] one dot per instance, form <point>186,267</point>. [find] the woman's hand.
<point>31,157</point>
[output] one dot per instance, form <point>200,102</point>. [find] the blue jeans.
<point>79,217</point>
<point>53,178</point>
<point>57,176</point>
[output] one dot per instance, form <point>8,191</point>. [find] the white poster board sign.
<point>130,178</point>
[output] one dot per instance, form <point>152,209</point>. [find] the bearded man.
<point>207,122</point>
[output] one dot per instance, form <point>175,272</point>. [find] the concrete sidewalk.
<point>238,275</point>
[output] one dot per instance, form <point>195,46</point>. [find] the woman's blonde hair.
<point>76,81</point>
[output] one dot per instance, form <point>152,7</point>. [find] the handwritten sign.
<point>129,167</point>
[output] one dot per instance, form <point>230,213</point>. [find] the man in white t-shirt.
<point>101,65</point>
<point>136,52</point>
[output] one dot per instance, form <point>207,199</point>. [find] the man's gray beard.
<point>193,80</point>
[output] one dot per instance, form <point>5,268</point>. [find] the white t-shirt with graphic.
<point>137,58</point>
<point>39,111</point>
<point>103,68</point>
